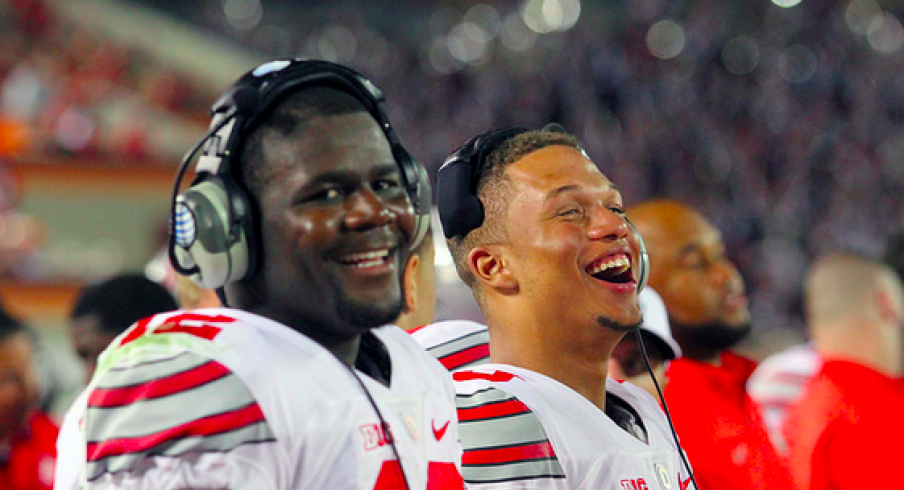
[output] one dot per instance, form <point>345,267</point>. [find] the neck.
<point>859,342</point>
<point>582,365</point>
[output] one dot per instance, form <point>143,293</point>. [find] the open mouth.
<point>614,268</point>
<point>361,260</point>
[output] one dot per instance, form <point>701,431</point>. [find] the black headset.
<point>212,225</point>
<point>460,210</point>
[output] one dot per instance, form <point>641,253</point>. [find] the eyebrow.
<point>573,188</point>
<point>380,170</point>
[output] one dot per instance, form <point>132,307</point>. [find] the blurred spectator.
<point>21,234</point>
<point>104,310</point>
<point>719,426</point>
<point>845,431</point>
<point>627,361</point>
<point>27,435</point>
<point>701,101</point>
<point>777,383</point>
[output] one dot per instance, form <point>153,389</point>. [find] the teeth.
<point>621,262</point>
<point>365,259</point>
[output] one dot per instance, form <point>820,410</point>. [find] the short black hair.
<point>122,300</point>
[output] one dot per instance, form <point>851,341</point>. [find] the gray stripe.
<point>151,416</point>
<point>526,470</point>
<point>459,344</point>
<point>476,362</point>
<point>259,432</point>
<point>483,397</point>
<point>508,431</point>
<point>154,369</point>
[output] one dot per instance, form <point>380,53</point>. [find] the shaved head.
<point>842,286</point>
<point>855,311</point>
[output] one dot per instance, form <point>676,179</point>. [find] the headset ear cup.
<point>422,200</point>
<point>643,260</point>
<point>206,240</point>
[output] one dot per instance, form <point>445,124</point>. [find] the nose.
<point>606,224</point>
<point>727,276</point>
<point>367,210</point>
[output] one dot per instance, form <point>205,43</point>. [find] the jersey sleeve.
<point>505,444</point>
<point>160,414</point>
<point>456,344</point>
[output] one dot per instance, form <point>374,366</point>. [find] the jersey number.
<point>440,476</point>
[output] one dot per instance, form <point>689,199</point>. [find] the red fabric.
<point>720,428</point>
<point>847,430</point>
<point>31,461</point>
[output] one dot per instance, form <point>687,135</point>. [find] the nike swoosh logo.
<point>439,433</point>
<point>684,483</point>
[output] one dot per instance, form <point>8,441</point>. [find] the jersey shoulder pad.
<point>503,440</point>
<point>170,406</point>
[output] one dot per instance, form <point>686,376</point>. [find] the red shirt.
<point>30,462</point>
<point>846,431</point>
<point>720,427</point>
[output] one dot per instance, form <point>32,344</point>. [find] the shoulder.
<point>168,367</point>
<point>457,344</point>
<point>503,439</point>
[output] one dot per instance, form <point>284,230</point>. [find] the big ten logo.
<point>375,435</point>
<point>634,484</point>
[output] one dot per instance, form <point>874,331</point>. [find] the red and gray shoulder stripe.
<point>503,440</point>
<point>463,352</point>
<point>184,403</point>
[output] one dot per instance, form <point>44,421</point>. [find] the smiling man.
<point>540,236</point>
<point>302,215</point>
<point>720,427</point>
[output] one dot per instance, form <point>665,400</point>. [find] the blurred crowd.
<point>784,125</point>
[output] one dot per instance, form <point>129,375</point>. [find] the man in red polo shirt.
<point>843,432</point>
<point>27,435</point>
<point>719,426</point>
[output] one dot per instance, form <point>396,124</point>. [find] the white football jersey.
<point>222,398</point>
<point>457,344</point>
<point>523,430</point>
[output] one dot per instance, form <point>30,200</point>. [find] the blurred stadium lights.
<point>786,3</point>
<point>243,14</point>
<point>797,63</point>
<point>666,39</point>
<point>740,55</point>
<point>885,34</point>
<point>546,16</point>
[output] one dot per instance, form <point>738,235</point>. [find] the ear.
<point>491,268</point>
<point>409,282</point>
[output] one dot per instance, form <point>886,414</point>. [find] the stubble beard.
<point>618,326</point>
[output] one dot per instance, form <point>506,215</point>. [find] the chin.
<point>366,316</point>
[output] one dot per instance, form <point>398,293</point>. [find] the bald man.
<point>846,431</point>
<point>720,427</point>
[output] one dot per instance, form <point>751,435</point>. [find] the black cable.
<point>665,406</point>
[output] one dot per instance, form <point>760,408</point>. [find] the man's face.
<point>696,280</point>
<point>18,383</point>
<point>570,247</point>
<point>702,290</point>
<point>335,226</point>
<point>89,340</point>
